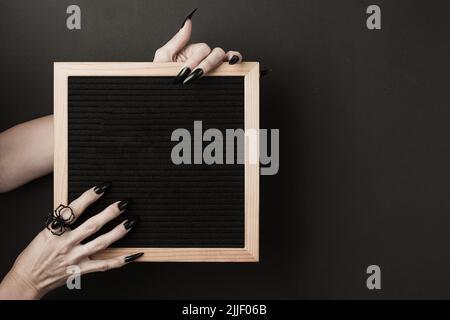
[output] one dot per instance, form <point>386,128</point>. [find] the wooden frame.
<point>250,70</point>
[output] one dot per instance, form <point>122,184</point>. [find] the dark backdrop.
<point>364,123</point>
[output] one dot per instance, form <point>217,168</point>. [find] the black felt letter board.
<point>119,131</point>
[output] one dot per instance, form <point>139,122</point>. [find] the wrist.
<point>16,287</point>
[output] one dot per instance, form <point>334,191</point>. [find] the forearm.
<point>26,152</point>
<point>15,288</point>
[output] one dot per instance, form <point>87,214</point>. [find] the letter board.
<point>114,122</point>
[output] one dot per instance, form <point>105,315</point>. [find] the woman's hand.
<point>197,58</point>
<point>44,264</point>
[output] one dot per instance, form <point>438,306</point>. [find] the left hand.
<point>198,59</point>
<point>44,264</point>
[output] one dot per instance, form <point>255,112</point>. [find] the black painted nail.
<point>123,204</point>
<point>264,72</point>
<point>196,74</point>
<point>233,59</point>
<point>182,75</point>
<point>102,187</point>
<point>189,16</point>
<point>133,257</point>
<point>128,224</point>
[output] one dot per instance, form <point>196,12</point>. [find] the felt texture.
<point>119,131</point>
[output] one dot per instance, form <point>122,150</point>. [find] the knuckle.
<point>66,213</point>
<point>219,51</point>
<point>116,263</point>
<point>100,246</point>
<point>71,260</point>
<point>112,264</point>
<point>105,266</point>
<point>204,48</point>
<point>92,227</point>
<point>112,210</point>
<point>84,251</point>
<point>89,195</point>
<point>158,52</point>
<point>161,53</point>
<point>235,53</point>
<point>207,65</point>
<point>64,250</point>
<point>119,234</point>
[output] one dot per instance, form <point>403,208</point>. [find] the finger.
<point>104,241</point>
<point>168,51</point>
<point>197,53</point>
<point>80,204</point>
<point>95,223</point>
<point>233,57</point>
<point>103,265</point>
<point>108,264</point>
<point>212,61</point>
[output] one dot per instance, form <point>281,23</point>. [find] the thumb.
<point>181,38</point>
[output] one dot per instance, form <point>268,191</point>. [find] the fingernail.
<point>265,72</point>
<point>123,204</point>
<point>102,187</point>
<point>182,75</point>
<point>233,59</point>
<point>133,257</point>
<point>130,223</point>
<point>196,74</point>
<point>189,16</point>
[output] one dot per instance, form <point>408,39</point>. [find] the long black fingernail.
<point>182,75</point>
<point>133,257</point>
<point>233,59</point>
<point>102,187</point>
<point>196,74</point>
<point>123,204</point>
<point>130,223</point>
<point>264,72</point>
<point>189,16</point>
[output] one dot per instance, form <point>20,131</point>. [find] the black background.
<point>364,124</point>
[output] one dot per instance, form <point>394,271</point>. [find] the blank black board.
<point>119,131</point>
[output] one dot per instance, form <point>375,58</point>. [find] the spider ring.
<point>56,223</point>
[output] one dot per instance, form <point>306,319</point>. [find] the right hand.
<point>44,264</point>
<point>197,58</point>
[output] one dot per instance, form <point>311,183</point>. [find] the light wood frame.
<point>249,70</point>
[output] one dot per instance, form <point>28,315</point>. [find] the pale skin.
<point>44,264</point>
<point>26,153</point>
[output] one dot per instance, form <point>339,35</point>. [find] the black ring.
<point>56,224</point>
